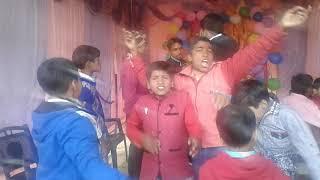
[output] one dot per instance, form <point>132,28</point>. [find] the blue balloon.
<point>275,58</point>
<point>182,35</point>
<point>186,45</point>
<point>258,16</point>
<point>225,17</point>
<point>186,25</point>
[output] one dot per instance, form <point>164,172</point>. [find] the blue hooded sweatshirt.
<point>67,144</point>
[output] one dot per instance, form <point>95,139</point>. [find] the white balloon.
<point>235,19</point>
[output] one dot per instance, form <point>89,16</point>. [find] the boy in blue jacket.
<point>65,138</point>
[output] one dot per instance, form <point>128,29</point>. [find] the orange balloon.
<point>252,38</point>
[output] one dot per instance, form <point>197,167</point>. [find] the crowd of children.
<point>185,120</point>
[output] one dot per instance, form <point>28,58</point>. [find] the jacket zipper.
<point>159,176</point>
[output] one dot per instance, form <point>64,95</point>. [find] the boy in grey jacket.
<point>282,135</point>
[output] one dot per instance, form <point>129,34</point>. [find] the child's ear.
<point>148,85</point>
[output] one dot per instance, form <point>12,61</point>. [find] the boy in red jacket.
<point>238,161</point>
<point>165,125</point>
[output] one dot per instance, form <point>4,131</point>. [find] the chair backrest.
<point>16,145</point>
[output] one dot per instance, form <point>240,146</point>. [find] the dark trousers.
<point>134,161</point>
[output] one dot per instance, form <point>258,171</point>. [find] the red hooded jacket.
<point>254,167</point>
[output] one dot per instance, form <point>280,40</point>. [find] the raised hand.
<point>133,40</point>
<point>295,17</point>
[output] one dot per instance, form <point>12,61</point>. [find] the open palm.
<point>295,17</point>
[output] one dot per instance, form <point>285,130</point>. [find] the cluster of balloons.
<point>184,23</point>
<point>255,14</point>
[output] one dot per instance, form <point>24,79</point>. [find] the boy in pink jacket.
<point>165,125</point>
<point>210,83</point>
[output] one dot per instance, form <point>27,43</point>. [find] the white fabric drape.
<point>313,51</point>
<point>33,30</point>
<point>22,48</point>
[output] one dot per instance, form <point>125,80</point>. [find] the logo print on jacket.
<point>172,111</point>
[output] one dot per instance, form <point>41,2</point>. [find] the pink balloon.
<point>254,10</point>
<point>201,15</point>
<point>191,16</point>
<point>259,28</point>
<point>268,21</point>
<point>177,21</point>
<point>182,34</point>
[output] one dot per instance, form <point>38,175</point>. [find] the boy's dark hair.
<point>55,75</point>
<point>172,41</point>
<point>250,93</point>
<point>160,66</point>
<point>224,47</point>
<point>316,83</point>
<point>301,84</point>
<point>236,125</point>
<point>195,40</point>
<point>213,22</point>
<point>84,53</point>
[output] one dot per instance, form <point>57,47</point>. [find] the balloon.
<point>201,14</point>
<point>191,16</point>
<point>186,25</point>
<point>235,19</point>
<point>182,35</point>
<point>268,21</point>
<point>275,58</point>
<point>225,17</point>
<point>170,35</point>
<point>259,28</point>
<point>252,38</point>
<point>185,44</point>
<point>258,17</point>
<point>244,11</point>
<point>254,10</point>
<point>274,84</point>
<point>177,21</point>
<point>173,28</point>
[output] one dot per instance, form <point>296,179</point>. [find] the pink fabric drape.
<point>66,23</point>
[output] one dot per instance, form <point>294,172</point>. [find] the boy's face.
<point>176,51</point>
<point>160,82</point>
<point>95,65</point>
<point>202,56</point>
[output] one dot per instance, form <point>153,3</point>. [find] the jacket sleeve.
<point>191,120</point>
<point>303,140</point>
<point>238,66</point>
<point>128,82</point>
<point>79,141</point>
<point>134,128</point>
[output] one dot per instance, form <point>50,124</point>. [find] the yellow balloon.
<point>173,28</point>
<point>252,38</point>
